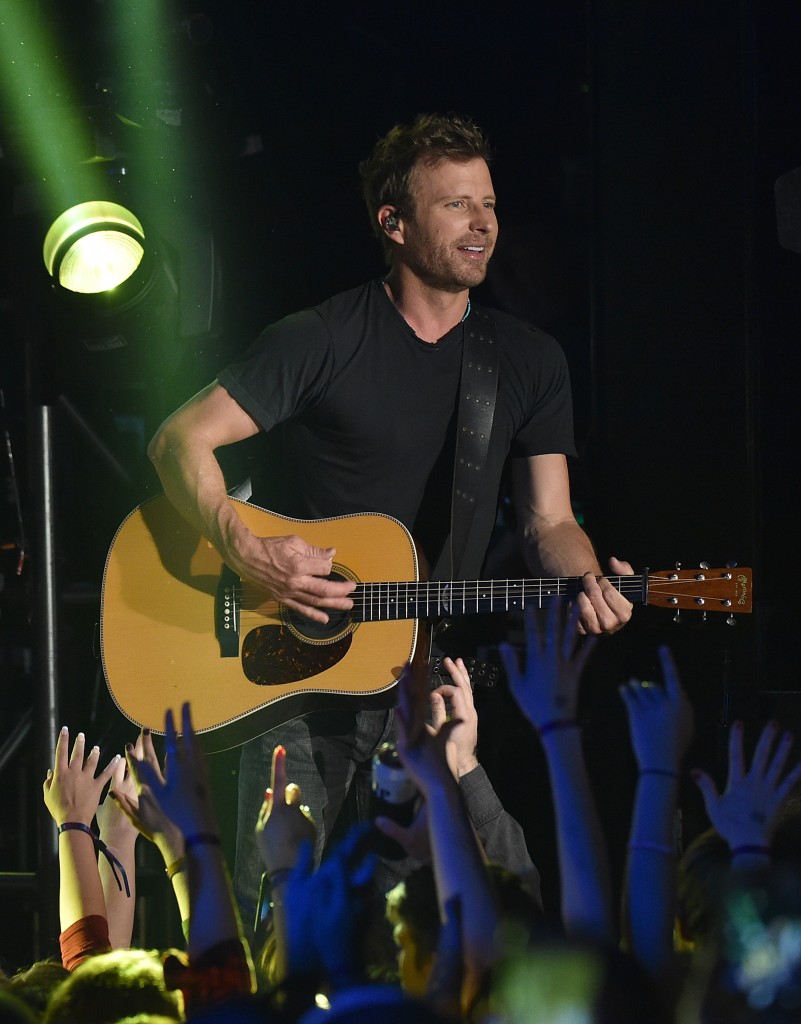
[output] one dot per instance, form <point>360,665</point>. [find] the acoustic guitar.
<point>177,624</point>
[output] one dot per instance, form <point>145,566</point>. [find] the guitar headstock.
<point>708,590</point>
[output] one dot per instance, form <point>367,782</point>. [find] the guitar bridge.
<point>226,613</point>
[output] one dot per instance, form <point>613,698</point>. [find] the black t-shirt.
<point>363,409</point>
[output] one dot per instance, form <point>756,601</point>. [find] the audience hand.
<point>422,751</point>
<point>322,909</point>
<point>333,899</point>
<point>414,838</point>
<point>182,793</point>
<point>71,789</point>
<point>283,826</point>
<point>546,689</point>
<point>137,802</point>
<point>660,719</point>
<point>115,827</point>
<point>463,738</point>
<point>745,814</point>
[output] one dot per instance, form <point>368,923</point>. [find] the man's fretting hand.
<point>603,608</point>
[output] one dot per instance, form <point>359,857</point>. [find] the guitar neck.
<point>716,590</point>
<point>374,602</point>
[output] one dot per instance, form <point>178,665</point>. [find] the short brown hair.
<point>387,173</point>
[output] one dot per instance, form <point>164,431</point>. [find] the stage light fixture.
<point>94,247</point>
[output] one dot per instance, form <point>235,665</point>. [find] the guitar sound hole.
<point>339,622</point>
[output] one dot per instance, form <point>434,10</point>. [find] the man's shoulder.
<point>321,320</point>
<point>344,305</point>
<point>515,334</point>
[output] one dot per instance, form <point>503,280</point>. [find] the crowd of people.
<point>711,936</point>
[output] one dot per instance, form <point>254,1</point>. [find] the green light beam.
<point>53,138</point>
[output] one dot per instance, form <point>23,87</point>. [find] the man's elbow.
<point>161,444</point>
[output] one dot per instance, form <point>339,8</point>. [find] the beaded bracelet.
<point>557,723</point>
<point>115,862</point>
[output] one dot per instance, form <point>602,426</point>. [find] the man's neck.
<point>430,312</point>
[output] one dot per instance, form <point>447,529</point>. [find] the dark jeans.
<point>329,756</point>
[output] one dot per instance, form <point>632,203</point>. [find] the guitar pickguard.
<point>272,655</point>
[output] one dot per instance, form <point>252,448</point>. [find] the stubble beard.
<point>441,267</point>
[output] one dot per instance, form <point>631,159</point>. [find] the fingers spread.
<point>118,774</point>
<point>90,764</point>
<point>709,791</point>
<point>78,747</point>
<point>62,749</point>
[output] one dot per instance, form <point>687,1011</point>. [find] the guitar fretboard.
<point>375,602</point>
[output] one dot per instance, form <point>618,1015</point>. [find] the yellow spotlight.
<point>93,247</point>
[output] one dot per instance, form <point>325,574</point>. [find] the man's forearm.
<point>559,549</point>
<point>194,483</point>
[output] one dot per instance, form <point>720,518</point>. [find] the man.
<point>364,391</point>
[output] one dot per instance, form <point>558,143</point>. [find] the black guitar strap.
<point>477,390</point>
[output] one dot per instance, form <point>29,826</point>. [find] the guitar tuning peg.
<point>703,565</point>
<point>703,616</point>
<point>731,565</point>
<point>677,616</point>
<point>730,619</point>
<point>678,565</point>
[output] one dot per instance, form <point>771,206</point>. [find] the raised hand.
<point>423,752</point>
<point>546,688</point>
<point>137,802</point>
<point>660,719</point>
<point>72,794</point>
<point>660,723</point>
<point>182,792</point>
<point>456,854</point>
<point>72,789</point>
<point>183,795</point>
<point>463,738</point>
<point>283,825</point>
<point>115,826</point>
<point>546,691</point>
<point>331,902</point>
<point>413,838</point>
<point>746,813</point>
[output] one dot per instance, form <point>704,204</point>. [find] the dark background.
<point>637,150</point>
